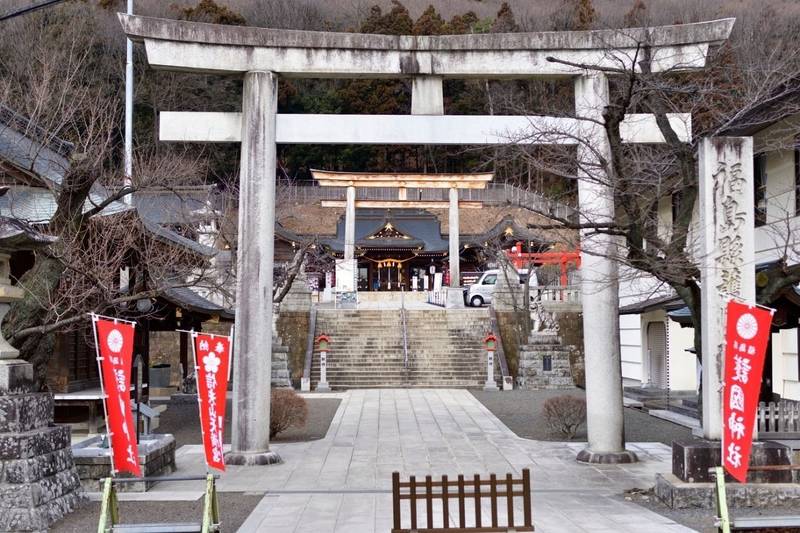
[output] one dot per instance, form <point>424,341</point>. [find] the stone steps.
<point>445,348</point>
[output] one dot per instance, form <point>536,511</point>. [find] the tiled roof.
<point>37,205</point>
<point>167,206</point>
<point>188,299</point>
<point>15,235</point>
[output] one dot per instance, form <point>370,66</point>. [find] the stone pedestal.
<point>453,297</point>
<point>691,460</point>
<point>299,296</point>
<point>690,485</point>
<point>544,363</point>
<point>38,480</point>
<point>93,461</point>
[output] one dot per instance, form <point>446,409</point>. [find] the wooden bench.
<point>725,523</point>
<point>109,509</point>
<point>459,491</point>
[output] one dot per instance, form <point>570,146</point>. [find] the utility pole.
<point>129,113</point>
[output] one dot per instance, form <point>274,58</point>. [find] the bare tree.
<point>68,84</point>
<point>643,178</point>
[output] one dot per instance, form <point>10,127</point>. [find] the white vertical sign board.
<point>345,275</point>
<point>727,255</point>
<point>437,282</point>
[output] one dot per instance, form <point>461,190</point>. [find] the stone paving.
<point>342,483</point>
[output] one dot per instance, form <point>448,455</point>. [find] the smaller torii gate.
<point>522,259</point>
<point>403,181</point>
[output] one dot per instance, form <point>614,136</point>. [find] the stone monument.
<point>38,480</point>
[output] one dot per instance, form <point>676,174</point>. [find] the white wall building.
<point>653,344</point>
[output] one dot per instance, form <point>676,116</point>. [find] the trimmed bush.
<point>287,409</point>
<point>565,414</point>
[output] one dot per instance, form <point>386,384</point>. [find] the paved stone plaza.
<point>342,483</point>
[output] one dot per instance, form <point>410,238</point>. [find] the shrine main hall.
<point>401,229</point>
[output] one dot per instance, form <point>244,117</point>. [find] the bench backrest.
<point>458,492</point>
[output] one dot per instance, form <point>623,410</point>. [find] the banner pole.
<point>745,302</point>
<point>199,401</point>
<point>113,319</point>
<point>95,318</point>
<point>230,357</point>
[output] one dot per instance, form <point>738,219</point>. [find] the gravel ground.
<point>234,508</point>
<point>702,520</point>
<point>521,411</point>
<point>181,419</point>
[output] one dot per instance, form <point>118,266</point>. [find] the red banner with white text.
<point>115,350</point>
<point>746,337</point>
<point>212,358</point>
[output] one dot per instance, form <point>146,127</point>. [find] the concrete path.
<point>342,483</point>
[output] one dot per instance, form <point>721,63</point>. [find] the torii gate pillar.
<point>255,258</point>
<point>599,283</point>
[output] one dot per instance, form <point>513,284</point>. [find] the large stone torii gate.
<point>262,55</point>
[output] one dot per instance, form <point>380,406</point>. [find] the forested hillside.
<point>54,60</point>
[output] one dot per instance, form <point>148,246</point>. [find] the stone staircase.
<point>544,363</point>
<point>445,348</point>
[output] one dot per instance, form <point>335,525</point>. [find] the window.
<point>760,188</point>
<point>490,280</point>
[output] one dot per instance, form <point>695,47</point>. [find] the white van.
<point>480,292</point>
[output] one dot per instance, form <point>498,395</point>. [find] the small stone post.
<point>323,386</point>
<point>491,343</point>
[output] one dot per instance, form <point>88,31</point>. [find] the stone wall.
<point>293,332</point>
<point>570,329</point>
<point>514,330</point>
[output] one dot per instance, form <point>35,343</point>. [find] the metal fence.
<point>493,194</point>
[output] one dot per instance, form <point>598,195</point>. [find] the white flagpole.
<point>129,112</point>
<point>230,357</point>
<point>199,401</point>
<point>95,318</point>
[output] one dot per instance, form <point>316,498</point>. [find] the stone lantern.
<point>39,484</point>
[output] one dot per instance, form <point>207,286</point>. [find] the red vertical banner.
<point>212,360</point>
<point>114,341</point>
<point>746,337</point>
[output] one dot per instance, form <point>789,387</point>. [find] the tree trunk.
<point>40,282</point>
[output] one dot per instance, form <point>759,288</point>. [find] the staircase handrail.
<point>403,322</point>
<point>499,352</point>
